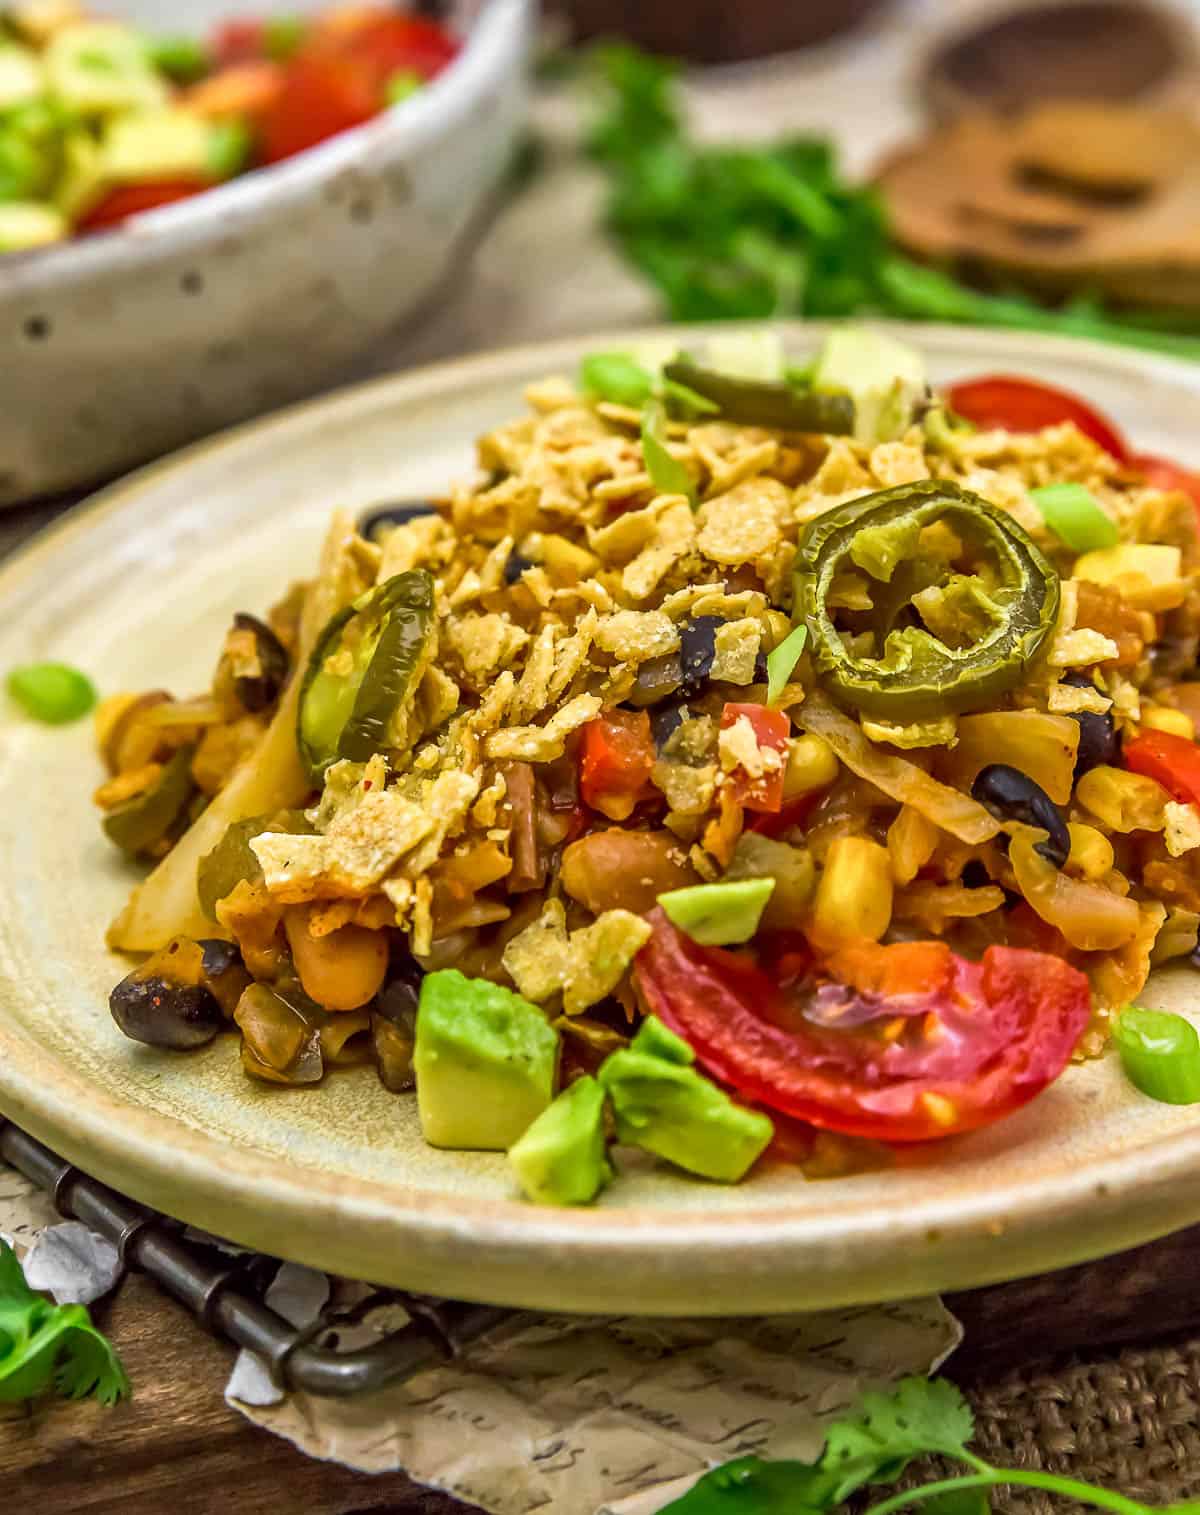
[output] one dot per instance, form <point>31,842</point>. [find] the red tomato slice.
<point>240,41</point>
<point>1025,405</point>
<point>134,199</point>
<point>322,95</point>
<point>1171,760</point>
<point>1161,473</point>
<point>772,728</point>
<point>921,1044</point>
<point>618,759</point>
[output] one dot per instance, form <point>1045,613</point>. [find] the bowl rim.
<point>1130,1196</point>
<point>495,41</point>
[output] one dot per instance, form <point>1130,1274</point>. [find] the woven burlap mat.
<point>1128,1421</point>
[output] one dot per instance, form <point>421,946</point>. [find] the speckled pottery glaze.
<point>137,587</point>
<point>120,347</point>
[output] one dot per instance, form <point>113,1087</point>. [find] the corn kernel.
<point>942,1111</point>
<point>1163,718</point>
<point>1091,855</point>
<point>1123,801</point>
<point>811,765</point>
<point>854,896</point>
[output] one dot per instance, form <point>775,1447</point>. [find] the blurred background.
<point>253,200</point>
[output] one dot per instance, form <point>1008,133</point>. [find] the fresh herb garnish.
<point>1160,1053</point>
<point>667,473</point>
<point>52,692</point>
<point>874,1444</point>
<point>44,1345</point>
<point>616,377</point>
<point>758,232</point>
<point>1075,516</point>
<point>783,660</point>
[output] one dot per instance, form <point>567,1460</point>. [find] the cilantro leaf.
<point>751,1486</point>
<point>43,1344</point>
<point>728,232</point>
<point>876,1443</point>
<point>667,473</point>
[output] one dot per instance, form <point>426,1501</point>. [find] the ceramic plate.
<point>137,587</point>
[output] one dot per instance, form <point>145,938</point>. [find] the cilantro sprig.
<point>760,231</point>
<point>874,1445</point>
<point>44,1345</point>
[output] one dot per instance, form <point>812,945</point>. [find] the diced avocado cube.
<point>101,67</point>
<point>26,224</point>
<point>674,1112</point>
<point>485,1061</point>
<point>563,1158</point>
<point>21,78</point>
<point>24,168</point>
<point>657,1040</point>
<point>885,378</point>
<point>82,182</point>
<point>153,145</point>
<point>719,915</point>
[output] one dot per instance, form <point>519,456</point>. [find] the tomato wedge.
<point>390,44</point>
<point>1170,760</point>
<point>1161,473</point>
<point>321,95</point>
<point>903,1044</point>
<point>1025,405</point>
<point>134,199</point>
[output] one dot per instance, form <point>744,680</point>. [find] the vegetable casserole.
<point>751,757</point>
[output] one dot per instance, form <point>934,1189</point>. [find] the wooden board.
<point>178,1447</point>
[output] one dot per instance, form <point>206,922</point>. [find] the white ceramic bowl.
<point>118,347</point>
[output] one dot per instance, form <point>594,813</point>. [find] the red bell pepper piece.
<point>1171,760</point>
<point>617,761</point>
<point>763,792</point>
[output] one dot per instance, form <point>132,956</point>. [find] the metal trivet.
<point>220,1290</point>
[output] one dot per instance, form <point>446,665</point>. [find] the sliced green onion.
<point>52,692</point>
<point>229,146</point>
<point>667,473</point>
<point>402,84</point>
<point>1075,516</point>
<point>689,401</point>
<point>617,378</point>
<point>1160,1053</point>
<point>781,662</point>
<point>282,37</point>
<point>182,59</point>
<point>719,915</point>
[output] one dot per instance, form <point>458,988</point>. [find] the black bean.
<point>516,566</point>
<point>1011,795</point>
<point>698,648</point>
<point>218,957</point>
<point>665,722</point>
<point>761,672</point>
<point>152,1010</point>
<point>1099,742</point>
<point>262,689</point>
<point>396,514</point>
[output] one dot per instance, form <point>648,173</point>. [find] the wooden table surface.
<point>177,1446</point>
